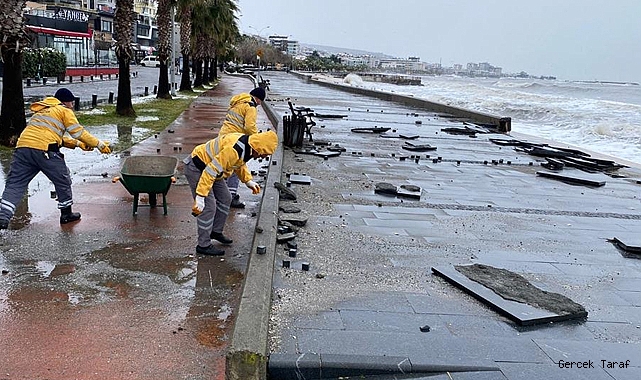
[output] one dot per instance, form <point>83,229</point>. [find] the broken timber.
<point>571,180</point>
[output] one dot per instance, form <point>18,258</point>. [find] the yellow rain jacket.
<point>49,124</point>
<point>222,157</point>
<point>241,116</point>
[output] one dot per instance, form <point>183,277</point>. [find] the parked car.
<point>151,61</point>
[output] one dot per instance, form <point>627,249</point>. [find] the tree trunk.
<point>214,68</point>
<point>124,106</point>
<point>163,81</point>
<point>12,119</point>
<point>163,19</point>
<point>198,71</point>
<point>185,80</point>
<point>206,79</point>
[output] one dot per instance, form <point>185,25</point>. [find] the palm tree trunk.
<point>185,80</point>
<point>124,24</point>
<point>12,119</point>
<point>214,68</point>
<point>206,78</point>
<point>198,71</point>
<point>163,17</point>
<point>12,40</point>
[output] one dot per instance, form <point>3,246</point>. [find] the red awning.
<point>58,32</point>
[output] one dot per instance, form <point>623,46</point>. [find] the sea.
<point>601,117</point>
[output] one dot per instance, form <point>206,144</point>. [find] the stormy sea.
<point>602,117</point>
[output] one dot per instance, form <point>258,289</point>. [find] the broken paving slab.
<point>371,130</point>
<point>571,180</point>
<point>281,238</point>
<point>418,147</point>
<point>407,191</point>
<point>296,220</point>
<point>288,208</point>
<point>511,295</point>
<point>285,192</point>
<point>329,154</point>
<point>300,179</point>
<point>629,245</point>
<point>408,137</point>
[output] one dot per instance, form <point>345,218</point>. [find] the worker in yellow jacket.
<point>206,169</point>
<point>241,118</point>
<point>38,150</point>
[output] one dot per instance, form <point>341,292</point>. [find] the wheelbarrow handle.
<point>173,180</point>
<point>115,179</point>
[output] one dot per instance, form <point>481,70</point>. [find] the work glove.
<point>83,146</point>
<point>103,146</point>
<point>199,205</point>
<point>253,186</point>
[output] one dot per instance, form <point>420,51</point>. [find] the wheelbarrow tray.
<point>148,174</point>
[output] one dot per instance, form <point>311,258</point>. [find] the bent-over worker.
<point>206,169</point>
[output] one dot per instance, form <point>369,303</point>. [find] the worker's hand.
<point>83,146</point>
<point>199,205</point>
<point>253,186</point>
<point>103,146</point>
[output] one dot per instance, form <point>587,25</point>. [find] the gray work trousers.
<point>217,203</point>
<point>232,183</point>
<point>26,164</point>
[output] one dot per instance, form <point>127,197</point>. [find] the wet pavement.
<point>117,296</point>
<point>370,293</point>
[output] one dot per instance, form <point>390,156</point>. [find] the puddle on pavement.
<point>49,269</point>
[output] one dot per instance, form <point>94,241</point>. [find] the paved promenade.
<point>370,301</point>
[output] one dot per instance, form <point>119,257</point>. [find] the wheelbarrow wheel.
<point>153,201</point>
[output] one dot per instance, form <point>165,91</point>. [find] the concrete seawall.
<point>502,124</point>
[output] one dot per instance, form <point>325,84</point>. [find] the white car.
<point>151,61</point>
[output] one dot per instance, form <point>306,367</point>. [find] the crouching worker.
<point>38,150</point>
<point>206,170</point>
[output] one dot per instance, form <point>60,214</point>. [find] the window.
<point>107,26</point>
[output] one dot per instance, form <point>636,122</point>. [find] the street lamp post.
<point>257,54</point>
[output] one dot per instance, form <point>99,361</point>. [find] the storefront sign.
<point>71,15</point>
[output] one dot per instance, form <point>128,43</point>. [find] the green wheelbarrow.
<point>148,174</point>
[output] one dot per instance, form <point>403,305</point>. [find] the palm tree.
<point>213,20</point>
<point>185,8</point>
<point>163,18</point>
<point>12,41</point>
<point>124,25</point>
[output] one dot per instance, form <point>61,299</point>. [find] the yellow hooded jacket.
<point>241,116</point>
<point>223,155</point>
<point>49,124</point>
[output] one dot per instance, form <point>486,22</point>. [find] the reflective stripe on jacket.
<point>49,124</point>
<point>241,116</point>
<point>223,156</point>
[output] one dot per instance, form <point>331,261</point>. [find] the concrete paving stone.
<point>427,216</point>
<point>447,304</point>
<point>633,297</point>
<point>615,314</point>
<point>484,375</point>
<point>485,348</point>
<point>337,365</point>
<point>326,320</point>
<point>517,371</point>
<point>365,320</point>
<point>473,326</point>
<point>294,366</point>
<point>630,373</point>
<point>521,267</point>
<point>397,223</point>
<point>615,331</point>
<point>590,350</point>
<point>627,284</point>
<point>572,330</point>
<point>378,301</point>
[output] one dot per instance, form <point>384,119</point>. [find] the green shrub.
<point>43,62</point>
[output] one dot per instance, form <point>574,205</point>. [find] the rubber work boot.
<point>66,216</point>
<point>220,237</point>
<point>209,251</point>
<point>236,203</point>
<point>4,224</point>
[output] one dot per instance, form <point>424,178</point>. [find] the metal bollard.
<point>44,81</point>
<point>146,91</point>
<point>76,104</point>
<point>155,89</point>
<point>111,97</point>
<point>28,82</point>
<point>94,100</point>
<point>91,78</point>
<point>70,79</point>
<point>82,78</point>
<point>101,77</point>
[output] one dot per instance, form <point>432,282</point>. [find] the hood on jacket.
<point>240,98</point>
<point>49,101</point>
<point>264,143</point>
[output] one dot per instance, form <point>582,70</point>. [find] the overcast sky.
<point>570,39</point>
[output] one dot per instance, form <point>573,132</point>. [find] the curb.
<point>248,350</point>
<point>332,366</point>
